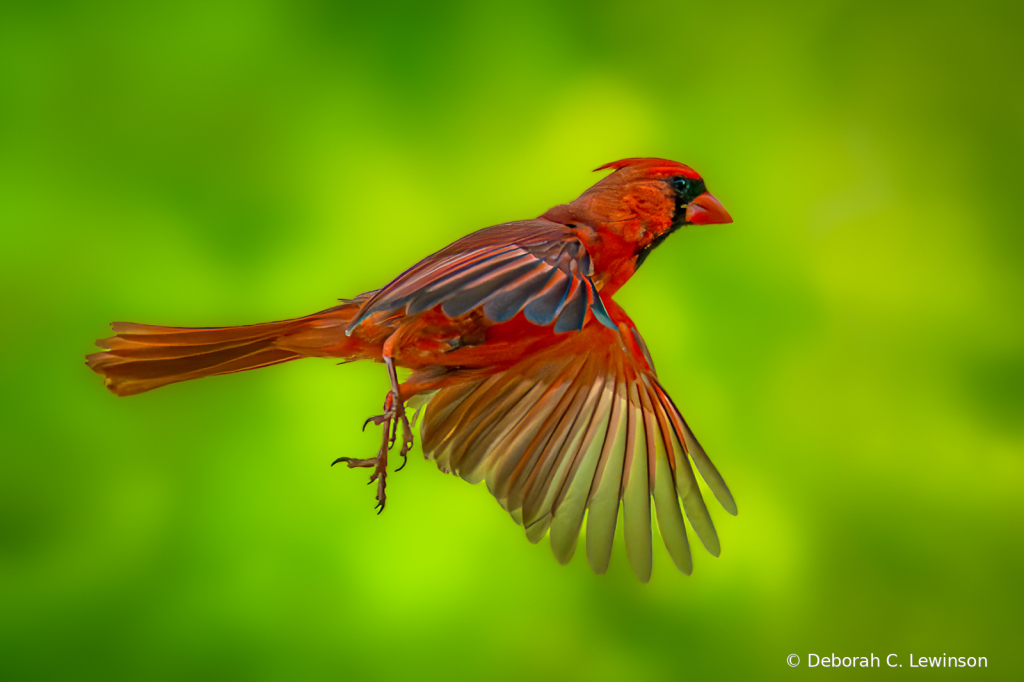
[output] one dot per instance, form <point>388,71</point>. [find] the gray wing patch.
<point>550,282</point>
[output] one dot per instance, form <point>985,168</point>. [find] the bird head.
<point>645,200</point>
<point>662,190</point>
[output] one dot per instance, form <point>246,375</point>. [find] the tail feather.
<point>141,357</point>
<point>130,333</point>
<point>144,357</point>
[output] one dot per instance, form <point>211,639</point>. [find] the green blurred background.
<point>850,350</point>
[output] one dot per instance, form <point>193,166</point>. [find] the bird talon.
<point>394,412</point>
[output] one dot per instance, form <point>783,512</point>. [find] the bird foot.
<point>380,473</point>
<point>394,412</point>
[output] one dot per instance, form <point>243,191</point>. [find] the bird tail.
<point>141,357</point>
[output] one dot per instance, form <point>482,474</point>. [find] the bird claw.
<point>380,418</point>
<point>407,441</point>
<point>394,412</point>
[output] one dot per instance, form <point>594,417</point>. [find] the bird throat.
<point>642,254</point>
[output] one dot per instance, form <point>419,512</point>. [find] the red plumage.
<point>533,378</point>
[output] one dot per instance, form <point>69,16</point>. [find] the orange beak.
<point>706,210</point>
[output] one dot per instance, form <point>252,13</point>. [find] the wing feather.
<point>707,470</point>
<point>548,478</point>
<point>636,492</point>
<point>493,437</point>
<point>464,281</point>
<point>535,266</point>
<point>571,503</point>
<point>461,299</point>
<point>547,440</point>
<point>514,400</point>
<point>509,453</point>
<point>545,305</point>
<point>689,491</point>
<point>417,290</point>
<point>504,304</point>
<point>603,508</point>
<point>566,436</point>
<point>452,410</point>
<point>574,309</point>
<point>666,499</point>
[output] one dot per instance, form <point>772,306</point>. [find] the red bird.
<point>532,377</point>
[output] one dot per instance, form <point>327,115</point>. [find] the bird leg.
<point>399,406</point>
<point>394,412</point>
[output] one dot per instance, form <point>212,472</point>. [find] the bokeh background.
<point>850,350</point>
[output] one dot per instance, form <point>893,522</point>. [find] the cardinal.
<point>528,374</point>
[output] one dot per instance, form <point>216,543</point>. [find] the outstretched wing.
<point>535,266</point>
<point>576,430</point>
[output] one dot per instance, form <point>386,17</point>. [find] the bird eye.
<point>687,189</point>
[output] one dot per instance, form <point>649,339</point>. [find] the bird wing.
<point>574,431</point>
<point>537,266</point>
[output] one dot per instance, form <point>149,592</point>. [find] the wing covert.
<point>535,266</point>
